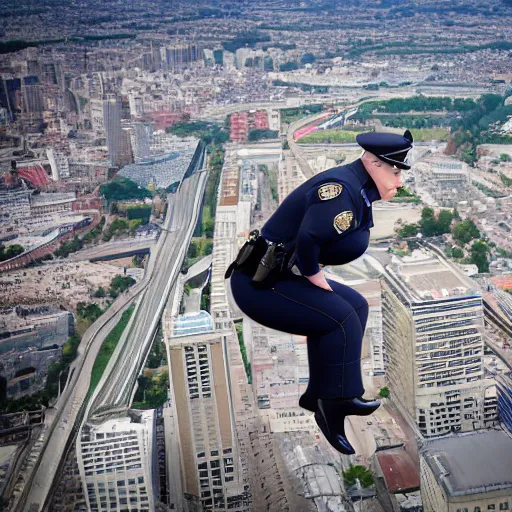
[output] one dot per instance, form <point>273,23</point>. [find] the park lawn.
<point>428,134</point>
<point>108,347</point>
<point>324,136</point>
<point>340,136</point>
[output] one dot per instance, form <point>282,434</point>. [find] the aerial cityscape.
<point>140,145</point>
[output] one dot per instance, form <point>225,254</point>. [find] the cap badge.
<point>329,191</point>
<point>342,221</point>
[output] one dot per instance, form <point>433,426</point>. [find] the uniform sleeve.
<point>325,220</point>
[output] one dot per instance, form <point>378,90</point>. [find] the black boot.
<point>331,421</point>
<point>358,406</point>
<point>308,401</point>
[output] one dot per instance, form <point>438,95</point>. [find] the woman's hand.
<point>319,280</point>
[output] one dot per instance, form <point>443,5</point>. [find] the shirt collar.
<point>365,180</point>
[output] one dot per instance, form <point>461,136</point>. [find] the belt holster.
<point>270,266</point>
<point>248,254</point>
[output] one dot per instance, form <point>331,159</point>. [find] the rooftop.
<point>427,277</point>
<point>400,472</point>
<point>162,171</point>
<point>193,323</point>
<point>457,461</point>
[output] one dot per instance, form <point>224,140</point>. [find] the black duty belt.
<point>262,259</point>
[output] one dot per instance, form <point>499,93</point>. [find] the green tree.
<point>10,252</point>
<point>193,250</point>
<point>134,225</point>
<point>457,252</point>
<point>505,158</point>
<point>479,251</point>
<point>100,292</point>
<point>444,221</point>
<point>119,284</point>
<point>428,223</point>
<point>90,311</point>
<point>408,230</point>
<point>260,134</point>
<point>384,392</point>
<point>142,212</point>
<point>307,58</point>
<point>289,66</point>
<point>360,473</point>
<point>465,231</point>
<point>123,188</point>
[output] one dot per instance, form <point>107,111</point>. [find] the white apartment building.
<point>289,176</point>
<point>204,416</point>
<point>116,464</point>
<point>433,327</point>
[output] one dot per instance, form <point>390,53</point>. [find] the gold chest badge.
<point>329,191</point>
<point>342,221</point>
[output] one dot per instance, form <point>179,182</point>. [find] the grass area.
<point>340,136</point>
<point>247,364</point>
<point>272,180</point>
<point>152,391</point>
<point>108,347</point>
<point>406,199</point>
<point>328,137</point>
<point>428,134</point>
<point>290,115</point>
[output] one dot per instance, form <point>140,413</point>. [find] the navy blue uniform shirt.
<point>327,219</point>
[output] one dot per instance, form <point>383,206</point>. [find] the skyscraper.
<point>204,416</point>
<point>117,464</point>
<point>433,328</point>
<point>112,123</point>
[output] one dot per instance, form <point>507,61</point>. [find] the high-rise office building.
<point>117,464</point>
<point>112,124</point>
<point>141,141</point>
<point>203,413</point>
<point>10,96</point>
<point>433,328</point>
<point>32,104</point>
<point>504,399</point>
<point>178,56</point>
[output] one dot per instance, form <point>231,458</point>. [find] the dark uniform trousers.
<point>334,323</point>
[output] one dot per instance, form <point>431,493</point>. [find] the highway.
<point>121,247</point>
<point>119,381</point>
<point>163,267</point>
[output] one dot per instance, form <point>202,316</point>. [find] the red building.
<point>243,122</point>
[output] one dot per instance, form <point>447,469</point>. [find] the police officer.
<point>325,221</point>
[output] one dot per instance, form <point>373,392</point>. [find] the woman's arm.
<point>319,280</point>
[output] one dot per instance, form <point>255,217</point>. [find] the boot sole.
<point>360,411</point>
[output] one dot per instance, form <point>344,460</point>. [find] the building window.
<point>504,506</point>
<point>477,509</point>
<point>491,507</point>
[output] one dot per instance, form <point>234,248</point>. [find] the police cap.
<point>388,147</point>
